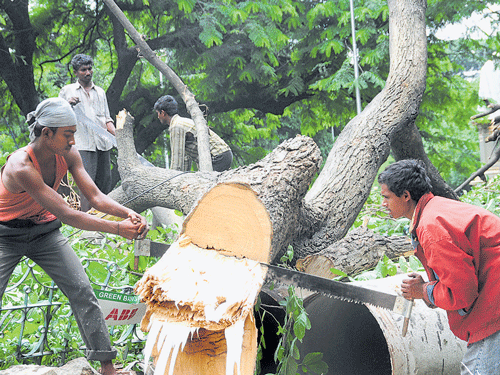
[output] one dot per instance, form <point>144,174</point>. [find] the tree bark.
<point>359,250</point>
<point>334,201</point>
<point>279,181</point>
<point>332,204</point>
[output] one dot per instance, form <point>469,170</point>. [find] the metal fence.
<point>43,331</point>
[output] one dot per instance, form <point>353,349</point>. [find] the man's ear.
<point>406,195</point>
<point>47,132</point>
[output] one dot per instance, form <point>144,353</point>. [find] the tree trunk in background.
<point>334,201</point>
<point>407,144</point>
<point>16,66</point>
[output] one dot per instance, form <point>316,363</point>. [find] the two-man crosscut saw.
<point>331,288</point>
<point>343,291</point>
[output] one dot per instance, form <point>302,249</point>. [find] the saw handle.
<point>406,320</point>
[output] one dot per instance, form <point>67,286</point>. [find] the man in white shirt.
<point>93,147</point>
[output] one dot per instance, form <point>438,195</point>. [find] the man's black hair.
<point>37,131</point>
<point>168,104</point>
<point>407,175</point>
<point>80,60</point>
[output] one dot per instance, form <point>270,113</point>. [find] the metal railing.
<point>40,330</point>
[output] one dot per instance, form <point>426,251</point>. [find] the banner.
<point>119,308</point>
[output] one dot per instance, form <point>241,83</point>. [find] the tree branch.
<point>205,160</point>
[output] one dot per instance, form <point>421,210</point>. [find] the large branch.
<point>359,250</point>
<point>205,160</point>
<point>343,186</point>
<point>279,181</point>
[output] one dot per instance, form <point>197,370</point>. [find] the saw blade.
<point>340,290</point>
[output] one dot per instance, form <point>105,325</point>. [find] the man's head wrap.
<point>52,113</point>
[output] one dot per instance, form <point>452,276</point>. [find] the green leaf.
<point>314,362</point>
<point>403,264</point>
<point>415,264</point>
<point>291,366</point>
<point>338,272</point>
<point>301,324</point>
<point>294,349</point>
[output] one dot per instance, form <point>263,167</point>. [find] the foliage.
<point>450,138</point>
<point>267,70</point>
<point>485,195</point>
<point>293,331</point>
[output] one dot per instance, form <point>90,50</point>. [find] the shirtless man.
<point>31,212</point>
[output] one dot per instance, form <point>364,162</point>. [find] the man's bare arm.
<point>21,175</point>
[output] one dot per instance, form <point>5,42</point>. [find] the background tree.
<point>266,70</point>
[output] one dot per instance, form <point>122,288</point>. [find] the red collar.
<point>422,202</point>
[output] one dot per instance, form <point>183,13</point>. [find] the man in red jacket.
<point>459,247</point>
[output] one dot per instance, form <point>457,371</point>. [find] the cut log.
<point>359,250</point>
<point>231,219</point>
<point>207,352</point>
<point>200,311</point>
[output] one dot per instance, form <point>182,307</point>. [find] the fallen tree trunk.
<point>324,215</point>
<point>200,295</point>
<point>279,181</point>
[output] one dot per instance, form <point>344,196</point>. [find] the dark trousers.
<point>222,162</point>
<point>47,247</point>
<point>98,166</point>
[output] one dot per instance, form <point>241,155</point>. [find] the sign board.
<point>119,308</point>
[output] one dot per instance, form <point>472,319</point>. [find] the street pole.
<point>355,57</point>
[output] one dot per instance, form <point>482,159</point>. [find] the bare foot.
<point>107,368</point>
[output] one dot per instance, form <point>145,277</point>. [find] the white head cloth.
<point>53,113</point>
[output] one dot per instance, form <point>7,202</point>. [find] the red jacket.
<point>459,246</point>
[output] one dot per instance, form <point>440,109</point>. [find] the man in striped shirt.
<point>183,139</point>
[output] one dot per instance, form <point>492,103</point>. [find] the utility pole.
<point>355,57</point>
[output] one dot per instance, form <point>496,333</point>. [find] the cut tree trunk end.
<point>231,219</point>
<point>201,294</point>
